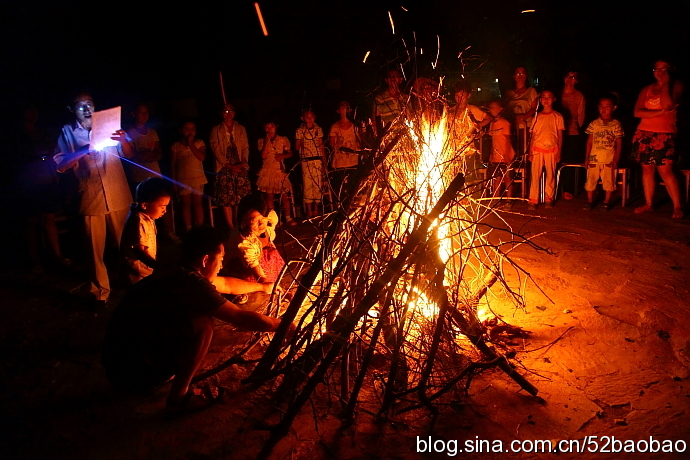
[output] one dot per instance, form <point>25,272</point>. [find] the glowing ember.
<point>261,18</point>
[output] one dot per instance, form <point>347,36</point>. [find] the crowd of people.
<point>522,126</point>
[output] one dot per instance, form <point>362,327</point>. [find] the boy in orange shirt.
<point>502,153</point>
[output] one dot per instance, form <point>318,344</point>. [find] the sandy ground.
<point>609,352</point>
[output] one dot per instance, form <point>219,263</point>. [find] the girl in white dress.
<point>273,178</point>
<point>187,171</point>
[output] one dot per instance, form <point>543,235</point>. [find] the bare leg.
<point>607,197</point>
<point>648,184</point>
<point>186,211</point>
<point>590,196</point>
<point>234,214</point>
<point>285,205</point>
<point>666,173</point>
<point>268,197</point>
<point>190,361</point>
<point>198,209</point>
<point>227,212</point>
<point>48,224</point>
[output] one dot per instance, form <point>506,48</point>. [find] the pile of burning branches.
<point>397,283</point>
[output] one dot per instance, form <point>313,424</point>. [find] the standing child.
<point>545,150</point>
<point>309,144</point>
<point>273,179</point>
<point>502,154</point>
<point>187,171</point>
<point>146,146</point>
<point>603,151</point>
<point>138,245</point>
<point>344,139</point>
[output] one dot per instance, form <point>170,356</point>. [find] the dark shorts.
<point>650,148</point>
<point>147,358</point>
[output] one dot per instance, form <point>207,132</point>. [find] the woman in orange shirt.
<point>654,141</point>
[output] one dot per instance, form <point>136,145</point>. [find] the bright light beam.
<point>261,18</point>
<point>391,19</point>
<point>528,11</point>
<point>365,57</point>
<point>170,179</point>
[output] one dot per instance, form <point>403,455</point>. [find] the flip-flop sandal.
<point>195,400</point>
<point>678,214</point>
<point>642,210</point>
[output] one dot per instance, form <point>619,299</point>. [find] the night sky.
<point>313,55</point>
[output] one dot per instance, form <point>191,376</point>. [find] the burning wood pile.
<point>400,279</point>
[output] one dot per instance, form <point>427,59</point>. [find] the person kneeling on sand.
<point>164,325</point>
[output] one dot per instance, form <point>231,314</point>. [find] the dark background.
<point>170,56</point>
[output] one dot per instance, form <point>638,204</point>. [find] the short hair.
<point>496,100</point>
<point>255,202</point>
<point>520,66</point>
<point>306,111</point>
<point>391,71</point>
<point>151,189</point>
<point>80,95</point>
<point>186,121</point>
<point>462,86</point>
<point>199,242</point>
<point>141,104</point>
<point>609,97</point>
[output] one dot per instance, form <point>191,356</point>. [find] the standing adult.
<point>520,107</point>
<point>34,178</point>
<point>654,141</point>
<point>390,103</point>
<point>105,195</point>
<point>231,149</point>
<point>573,102</point>
<point>465,121</point>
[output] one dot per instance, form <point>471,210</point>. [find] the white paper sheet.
<point>103,124</point>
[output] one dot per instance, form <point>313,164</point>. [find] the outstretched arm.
<point>250,320</point>
<point>230,285</point>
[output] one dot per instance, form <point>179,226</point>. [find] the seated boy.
<point>163,327</point>
<point>603,151</point>
<point>138,244</point>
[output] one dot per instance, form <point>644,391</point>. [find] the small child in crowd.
<point>138,244</point>
<point>146,146</point>
<point>273,179</point>
<point>309,144</point>
<point>545,150</point>
<point>502,154</point>
<point>251,254</point>
<point>259,252</point>
<point>187,170</point>
<point>603,151</point>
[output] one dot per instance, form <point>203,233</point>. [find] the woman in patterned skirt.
<point>654,141</point>
<point>231,150</point>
